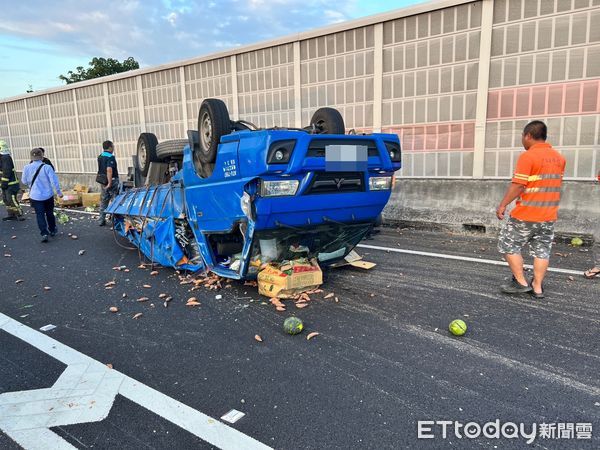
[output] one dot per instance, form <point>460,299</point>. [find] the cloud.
<point>162,31</point>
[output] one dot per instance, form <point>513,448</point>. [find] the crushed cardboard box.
<point>81,188</point>
<point>289,279</point>
<point>90,199</point>
<point>355,260</point>
<point>70,198</point>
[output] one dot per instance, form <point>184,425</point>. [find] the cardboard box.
<point>355,260</point>
<point>289,280</point>
<point>81,188</point>
<point>25,197</point>
<point>70,198</point>
<point>90,199</point>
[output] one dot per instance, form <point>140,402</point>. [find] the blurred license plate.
<point>346,158</point>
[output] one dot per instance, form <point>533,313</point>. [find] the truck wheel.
<point>146,151</point>
<point>328,121</point>
<point>168,149</point>
<point>213,122</point>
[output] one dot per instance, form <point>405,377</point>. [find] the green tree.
<point>99,67</point>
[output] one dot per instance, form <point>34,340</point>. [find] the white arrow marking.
<point>85,392</point>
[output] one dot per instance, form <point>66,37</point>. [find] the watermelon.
<point>293,325</point>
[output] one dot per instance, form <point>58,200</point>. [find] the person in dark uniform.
<point>10,184</point>
<point>108,178</point>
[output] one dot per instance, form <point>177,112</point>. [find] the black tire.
<point>328,121</point>
<point>168,149</point>
<point>146,151</point>
<point>213,123</point>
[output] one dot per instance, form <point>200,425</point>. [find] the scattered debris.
<point>233,416</point>
<point>47,288</point>
<point>570,278</point>
<point>330,295</point>
<point>124,295</point>
<point>146,286</point>
<point>154,272</point>
<point>258,338</point>
<point>113,309</point>
<point>109,365</point>
<point>7,255</point>
<point>119,268</point>
<point>81,252</point>
<point>311,335</point>
<point>137,315</point>
<point>13,237</point>
<point>110,283</point>
<point>48,327</point>
<point>74,237</point>
<point>19,281</point>
<point>142,299</point>
<point>218,297</point>
<point>192,301</point>
<point>162,295</point>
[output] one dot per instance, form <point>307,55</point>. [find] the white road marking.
<point>93,213</point>
<point>462,258</point>
<point>85,392</point>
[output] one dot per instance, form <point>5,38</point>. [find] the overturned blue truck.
<point>232,196</point>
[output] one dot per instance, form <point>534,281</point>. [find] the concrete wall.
<point>452,203</point>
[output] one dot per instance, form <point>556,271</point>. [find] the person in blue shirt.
<point>107,177</point>
<point>43,183</point>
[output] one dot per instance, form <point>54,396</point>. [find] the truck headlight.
<point>278,188</point>
<point>380,183</point>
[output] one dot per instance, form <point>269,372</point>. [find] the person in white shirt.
<point>43,183</point>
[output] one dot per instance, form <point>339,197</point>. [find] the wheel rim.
<point>142,154</point>
<point>205,131</point>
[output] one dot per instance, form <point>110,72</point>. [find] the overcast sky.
<point>40,40</point>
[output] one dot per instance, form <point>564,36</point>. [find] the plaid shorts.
<point>515,234</point>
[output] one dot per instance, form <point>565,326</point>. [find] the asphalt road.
<point>383,360</point>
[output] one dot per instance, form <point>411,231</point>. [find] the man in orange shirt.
<point>536,185</point>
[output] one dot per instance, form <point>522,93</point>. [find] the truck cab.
<point>262,195</point>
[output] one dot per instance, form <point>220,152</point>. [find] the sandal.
<point>592,273</point>
<point>536,295</point>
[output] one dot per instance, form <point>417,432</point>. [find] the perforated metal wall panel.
<point>545,65</point>
<point>416,72</point>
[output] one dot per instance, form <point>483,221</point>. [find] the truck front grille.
<point>336,183</point>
